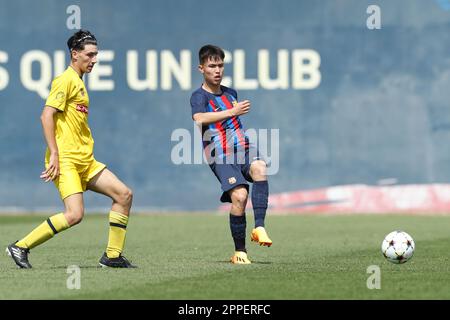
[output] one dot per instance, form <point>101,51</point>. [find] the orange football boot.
<point>260,235</point>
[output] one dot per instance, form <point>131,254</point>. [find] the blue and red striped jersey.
<point>227,135</point>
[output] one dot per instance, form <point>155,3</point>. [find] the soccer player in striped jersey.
<point>70,162</point>
<point>233,160</point>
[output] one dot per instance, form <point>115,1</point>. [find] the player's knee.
<point>259,168</point>
<point>129,196</point>
<point>239,197</point>
<point>74,216</point>
<point>125,197</point>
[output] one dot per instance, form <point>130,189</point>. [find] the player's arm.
<point>48,126</point>
<point>207,118</point>
<point>56,101</point>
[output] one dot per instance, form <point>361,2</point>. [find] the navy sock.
<point>237,226</point>
<point>260,196</point>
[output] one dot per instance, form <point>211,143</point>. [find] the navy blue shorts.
<point>231,175</point>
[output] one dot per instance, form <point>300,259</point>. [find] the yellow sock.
<point>45,231</point>
<point>117,230</point>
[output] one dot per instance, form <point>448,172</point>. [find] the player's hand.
<point>52,171</point>
<point>241,108</point>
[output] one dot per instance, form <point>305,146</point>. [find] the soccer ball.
<point>398,247</point>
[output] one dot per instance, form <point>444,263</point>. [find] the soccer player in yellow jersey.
<point>70,162</point>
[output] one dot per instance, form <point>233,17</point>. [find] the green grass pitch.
<point>185,256</point>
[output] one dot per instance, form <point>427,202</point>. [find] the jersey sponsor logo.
<point>82,108</point>
<point>232,180</point>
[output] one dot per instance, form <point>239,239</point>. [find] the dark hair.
<point>210,51</point>
<point>80,39</point>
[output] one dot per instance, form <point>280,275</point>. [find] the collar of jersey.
<point>73,70</point>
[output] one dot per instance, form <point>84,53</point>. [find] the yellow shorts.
<point>73,178</point>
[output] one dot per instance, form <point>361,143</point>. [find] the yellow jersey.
<point>73,136</point>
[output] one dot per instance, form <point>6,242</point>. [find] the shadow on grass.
<point>81,267</point>
<point>253,262</point>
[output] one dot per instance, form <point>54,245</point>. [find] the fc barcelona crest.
<point>232,180</point>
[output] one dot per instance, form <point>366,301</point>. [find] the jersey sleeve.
<point>198,103</point>
<point>59,93</point>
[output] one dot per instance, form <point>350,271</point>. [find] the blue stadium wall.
<point>375,107</point>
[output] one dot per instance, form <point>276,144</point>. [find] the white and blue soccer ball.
<point>398,247</point>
